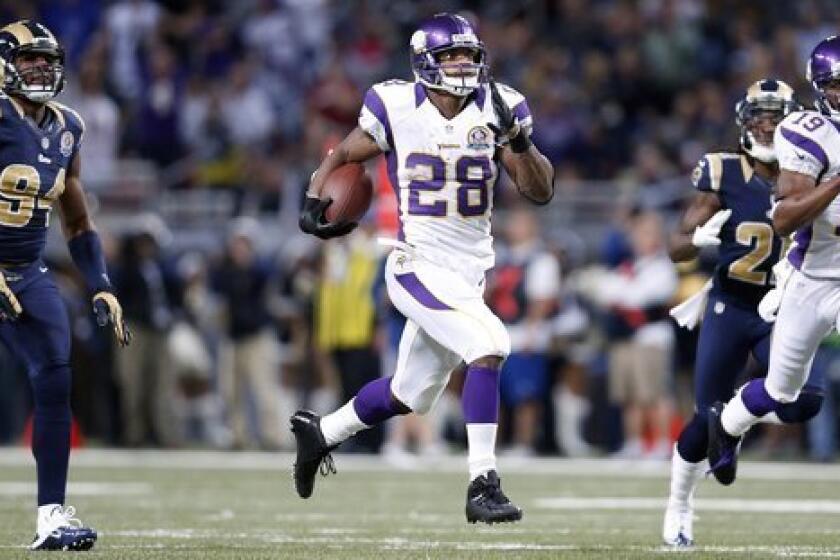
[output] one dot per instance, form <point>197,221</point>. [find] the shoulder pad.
<point>709,173</point>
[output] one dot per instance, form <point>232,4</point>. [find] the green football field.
<point>214,505</point>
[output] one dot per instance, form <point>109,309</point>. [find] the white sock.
<point>342,424</point>
<point>481,445</point>
<point>684,479</point>
<point>43,515</point>
<point>736,419</point>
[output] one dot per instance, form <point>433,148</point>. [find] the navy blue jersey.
<point>33,165</point>
<point>748,245</point>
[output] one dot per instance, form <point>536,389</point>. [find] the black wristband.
<point>520,143</point>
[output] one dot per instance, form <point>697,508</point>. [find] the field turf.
<point>161,505</point>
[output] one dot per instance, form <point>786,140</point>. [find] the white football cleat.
<point>58,529</point>
<point>678,528</point>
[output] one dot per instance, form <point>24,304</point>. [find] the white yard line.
<point>218,460</point>
<point>743,505</point>
<point>108,489</point>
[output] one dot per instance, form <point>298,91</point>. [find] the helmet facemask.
<point>24,75</point>
<point>758,118</point>
<point>460,78</point>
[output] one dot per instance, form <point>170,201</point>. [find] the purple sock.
<point>480,396</point>
<point>757,400</point>
<point>374,403</point>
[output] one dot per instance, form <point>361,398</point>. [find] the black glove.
<point>508,127</point>
<point>312,220</point>
<point>108,310</point>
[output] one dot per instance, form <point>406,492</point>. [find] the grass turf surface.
<point>209,506</point>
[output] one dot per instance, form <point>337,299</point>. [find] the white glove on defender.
<point>769,304</point>
<point>708,235</point>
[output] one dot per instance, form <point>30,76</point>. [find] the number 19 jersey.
<point>443,170</point>
<point>809,143</point>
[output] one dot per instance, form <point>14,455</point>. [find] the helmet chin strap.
<point>761,152</point>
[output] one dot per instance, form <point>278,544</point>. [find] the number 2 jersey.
<point>443,170</point>
<point>809,143</point>
<point>748,246</point>
<point>33,165</point>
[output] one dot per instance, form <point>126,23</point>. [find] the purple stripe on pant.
<point>418,291</point>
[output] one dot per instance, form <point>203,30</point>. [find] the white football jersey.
<point>808,142</point>
<point>443,170</point>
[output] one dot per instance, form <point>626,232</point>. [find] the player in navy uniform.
<point>731,211</point>
<point>39,166</point>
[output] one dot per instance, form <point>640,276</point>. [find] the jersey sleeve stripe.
<point>715,171</point>
<point>522,111</point>
<point>375,105</point>
<point>806,144</point>
<point>802,238</point>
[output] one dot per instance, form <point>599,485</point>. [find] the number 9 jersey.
<point>33,164</point>
<point>809,143</point>
<point>749,247</point>
<point>443,170</point>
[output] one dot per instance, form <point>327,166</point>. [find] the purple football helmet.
<point>441,33</point>
<point>823,69</point>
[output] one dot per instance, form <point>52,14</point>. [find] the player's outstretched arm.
<point>684,243</point>
<point>800,200</point>
<point>357,147</point>
<point>531,171</point>
<point>86,250</point>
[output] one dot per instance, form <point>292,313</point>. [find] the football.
<point>351,191</point>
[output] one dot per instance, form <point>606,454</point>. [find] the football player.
<point>808,148</point>
<point>731,212</point>
<point>39,167</point>
<point>444,135</point>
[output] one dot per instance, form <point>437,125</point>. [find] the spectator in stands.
<point>145,381</point>
<point>524,293</point>
<point>250,360</point>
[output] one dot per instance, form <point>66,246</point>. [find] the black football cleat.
<point>312,451</point>
<point>723,448</point>
<point>487,503</point>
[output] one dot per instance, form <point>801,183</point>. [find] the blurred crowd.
<point>205,119</point>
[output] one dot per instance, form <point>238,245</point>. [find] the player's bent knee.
<point>802,409</point>
<point>490,361</point>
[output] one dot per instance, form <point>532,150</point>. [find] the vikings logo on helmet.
<point>823,69</point>
<point>437,35</point>
<point>38,84</point>
<point>764,97</point>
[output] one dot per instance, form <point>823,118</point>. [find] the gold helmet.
<point>36,83</point>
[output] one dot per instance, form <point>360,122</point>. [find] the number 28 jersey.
<point>443,170</point>
<point>809,143</point>
<point>748,245</point>
<point>33,165</point>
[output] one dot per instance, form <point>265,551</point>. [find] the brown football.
<point>351,191</point>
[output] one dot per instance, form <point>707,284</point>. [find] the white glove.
<point>708,234</point>
<point>768,307</point>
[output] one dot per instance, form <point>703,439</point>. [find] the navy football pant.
<point>728,335</point>
<point>40,339</point>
